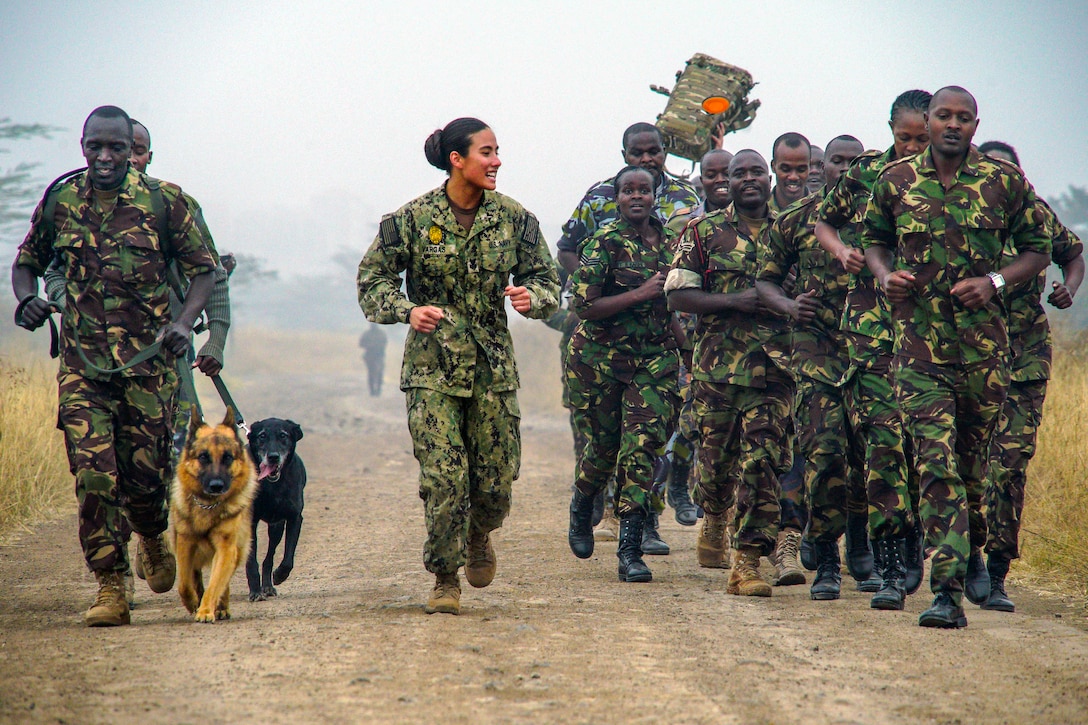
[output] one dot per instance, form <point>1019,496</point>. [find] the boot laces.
<point>789,547</point>
<point>715,527</point>
<point>477,547</point>
<point>110,588</point>
<point>154,554</point>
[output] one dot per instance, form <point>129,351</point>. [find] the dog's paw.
<point>206,617</point>
<point>267,592</point>
<point>279,576</point>
<point>222,614</point>
<point>257,597</point>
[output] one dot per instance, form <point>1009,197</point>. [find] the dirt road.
<point>554,639</point>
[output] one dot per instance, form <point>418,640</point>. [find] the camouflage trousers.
<point>469,453</point>
<point>627,423</point>
<point>1012,449</point>
<point>891,493</point>
<point>950,412</point>
<point>833,458</point>
<point>791,478</point>
<point>687,427</point>
<point>117,436</point>
<point>741,434</point>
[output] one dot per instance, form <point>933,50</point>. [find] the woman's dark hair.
<point>910,101</point>
<point>1000,147</point>
<point>624,172</point>
<point>456,136</point>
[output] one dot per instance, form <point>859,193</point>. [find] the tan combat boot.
<point>745,580</point>
<point>446,596</point>
<point>110,608</point>
<point>609,528</point>
<point>480,567</point>
<point>787,559</point>
<point>155,563</point>
<point>711,546</point>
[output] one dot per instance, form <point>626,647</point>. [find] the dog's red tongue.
<point>266,470</point>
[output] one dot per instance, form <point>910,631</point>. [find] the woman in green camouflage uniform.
<point>623,367</point>
<point>459,246</point>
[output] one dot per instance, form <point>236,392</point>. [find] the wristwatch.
<point>997,280</point>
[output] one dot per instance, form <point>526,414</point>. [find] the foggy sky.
<point>298,125</point>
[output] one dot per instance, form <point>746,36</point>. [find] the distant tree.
<point>250,271</point>
<point>1072,208</point>
<point>20,188</point>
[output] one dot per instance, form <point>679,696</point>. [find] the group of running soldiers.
<point>859,352</point>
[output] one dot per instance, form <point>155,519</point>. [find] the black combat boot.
<point>827,584</point>
<point>914,557</point>
<point>859,555</point>
<point>598,507</point>
<point>998,568</point>
<point>629,550</point>
<point>944,614</point>
<point>875,580</point>
<point>976,586</point>
<point>580,533</point>
<point>892,593</point>
<point>808,552</point>
<point>677,494</point>
<point>652,543</point>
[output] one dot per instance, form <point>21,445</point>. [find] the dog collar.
<point>206,507</point>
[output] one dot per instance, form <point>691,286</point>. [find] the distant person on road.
<point>373,342</point>
<point>459,246</point>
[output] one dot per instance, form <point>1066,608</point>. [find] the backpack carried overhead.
<point>707,92</point>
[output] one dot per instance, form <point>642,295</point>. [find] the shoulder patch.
<point>387,231</point>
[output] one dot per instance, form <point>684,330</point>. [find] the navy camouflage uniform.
<point>461,379</point>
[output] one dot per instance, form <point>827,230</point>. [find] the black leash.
<point>145,354</point>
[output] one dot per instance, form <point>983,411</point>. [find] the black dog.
<point>281,478</point>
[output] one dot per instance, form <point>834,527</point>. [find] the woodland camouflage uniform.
<point>598,207</point>
<point>117,426</point>
<point>741,399</point>
<point>1014,442</point>
<point>952,362</point>
<point>827,439</point>
<point>622,371</point>
<point>461,379</point>
<point>892,491</point>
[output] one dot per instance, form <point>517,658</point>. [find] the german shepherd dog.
<point>211,504</point>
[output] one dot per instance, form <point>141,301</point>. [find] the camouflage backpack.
<point>707,92</point>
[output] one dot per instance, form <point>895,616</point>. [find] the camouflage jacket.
<point>465,275</point>
<point>817,349</point>
<point>216,311</point>
<point>116,293</point>
<point>866,312</point>
<point>613,261</point>
<point>679,220</point>
<point>716,254</point>
<point>598,207</point>
<point>1029,330</point>
<point>943,237</point>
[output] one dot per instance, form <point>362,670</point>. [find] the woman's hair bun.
<point>432,147</point>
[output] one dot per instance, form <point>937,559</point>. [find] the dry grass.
<point>34,478</point>
<point>1054,547</point>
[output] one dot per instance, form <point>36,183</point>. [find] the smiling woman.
<point>623,368</point>
<point>460,247</point>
